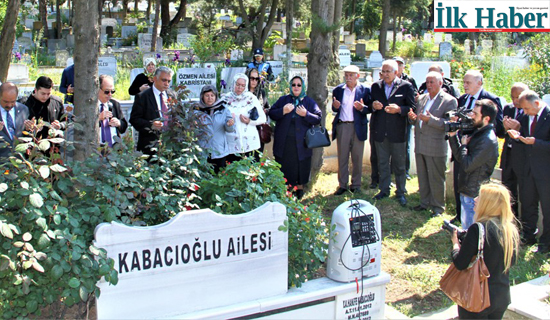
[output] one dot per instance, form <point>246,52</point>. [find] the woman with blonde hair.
<point>493,211</point>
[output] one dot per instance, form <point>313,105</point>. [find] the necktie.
<point>519,112</point>
<point>105,129</point>
<point>11,125</point>
<point>471,103</point>
<point>164,110</point>
<point>533,125</point>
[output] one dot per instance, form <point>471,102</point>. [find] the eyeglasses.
<point>109,91</point>
<point>296,84</point>
<point>255,78</point>
<point>387,71</point>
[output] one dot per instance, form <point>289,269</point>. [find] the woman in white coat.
<point>247,112</point>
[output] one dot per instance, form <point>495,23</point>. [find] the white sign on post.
<point>106,65</point>
<point>345,57</point>
<point>196,78</point>
<point>198,260</point>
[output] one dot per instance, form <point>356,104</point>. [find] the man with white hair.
<point>430,145</point>
<point>473,88</point>
<point>392,99</point>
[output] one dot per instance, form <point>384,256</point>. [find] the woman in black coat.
<point>493,211</point>
<point>294,114</point>
<point>144,81</point>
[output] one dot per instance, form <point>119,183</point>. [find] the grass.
<point>416,251</point>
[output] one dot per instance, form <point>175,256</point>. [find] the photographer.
<point>477,154</point>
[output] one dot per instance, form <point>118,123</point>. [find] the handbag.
<point>317,137</point>
<point>469,288</point>
<point>253,114</point>
<point>265,131</point>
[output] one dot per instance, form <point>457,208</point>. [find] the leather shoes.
<point>402,200</point>
<point>380,196</point>
<point>373,185</point>
<point>354,190</point>
<point>340,191</point>
<point>419,208</point>
<point>436,214</point>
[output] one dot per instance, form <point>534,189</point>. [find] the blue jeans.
<point>467,215</point>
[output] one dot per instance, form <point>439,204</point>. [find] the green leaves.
<point>36,200</point>
<point>74,283</point>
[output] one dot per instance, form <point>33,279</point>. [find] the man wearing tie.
<point>473,88</point>
<point>14,118</point>
<point>111,118</point>
<point>392,99</point>
<point>535,134</point>
<point>430,144</point>
<point>150,111</point>
<point>512,160</point>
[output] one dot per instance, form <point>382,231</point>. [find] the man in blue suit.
<point>350,102</point>
<point>393,98</point>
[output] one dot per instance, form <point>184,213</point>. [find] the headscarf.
<point>147,61</point>
<point>207,88</point>
<point>232,94</point>
<point>297,100</point>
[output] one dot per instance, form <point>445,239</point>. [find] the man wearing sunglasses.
<point>111,118</point>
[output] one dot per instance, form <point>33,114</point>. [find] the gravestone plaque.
<point>399,36</point>
<point>276,67</point>
<point>18,73</point>
<point>438,38</point>
<point>278,50</point>
<point>448,37</point>
<point>445,50</point>
<point>56,44</point>
<point>419,69</point>
<point>70,41</point>
<point>184,39</point>
<point>199,260</point>
<point>29,23</point>
<point>345,56</point>
<point>195,79</point>
<point>236,54</point>
<point>107,65</point>
<point>24,91</point>
<point>128,31</point>
<point>367,304</point>
<point>361,50</point>
<point>375,60</point>
<point>145,41</point>
<point>227,77</point>
<point>487,44</point>
<point>427,37</point>
<point>301,72</point>
<point>61,57</point>
<point>467,47</point>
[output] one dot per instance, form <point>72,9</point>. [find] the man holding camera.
<point>430,145</point>
<point>477,155</point>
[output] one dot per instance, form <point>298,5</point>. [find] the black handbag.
<point>317,137</point>
<point>253,114</point>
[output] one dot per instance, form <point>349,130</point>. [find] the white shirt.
<point>476,97</point>
<point>5,119</point>
<point>157,98</point>
<point>346,109</point>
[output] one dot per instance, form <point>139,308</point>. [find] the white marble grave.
<point>236,54</point>
<point>301,72</point>
<point>279,51</point>
<point>128,31</point>
<point>18,73</point>
<point>419,70</point>
<point>276,67</point>
<point>195,79</point>
<point>445,50</point>
<point>438,38</point>
<point>199,260</point>
<point>145,40</point>
<point>184,38</point>
<point>345,56</point>
<point>375,59</point>
<point>107,65</point>
<point>448,37</point>
<point>427,37</point>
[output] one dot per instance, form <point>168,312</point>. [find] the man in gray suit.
<point>430,145</point>
<point>13,119</point>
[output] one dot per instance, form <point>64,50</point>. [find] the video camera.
<point>447,225</point>
<point>465,124</point>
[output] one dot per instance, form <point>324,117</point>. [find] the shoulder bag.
<point>469,288</point>
<point>317,137</point>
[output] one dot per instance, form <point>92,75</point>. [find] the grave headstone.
<point>301,72</point>
<point>24,91</point>
<point>375,60</point>
<point>349,39</point>
<point>438,38</point>
<point>408,38</point>
<point>145,40</point>
<point>61,57</point>
<point>445,50</point>
<point>184,39</point>
<point>345,56</point>
<point>399,36</point>
<point>238,20</point>
<point>27,34</point>
<point>361,50</point>
<point>29,23</point>
<point>236,54</point>
<point>487,44</point>
<point>200,257</point>
<point>427,37</point>
<point>419,69</point>
<point>278,50</point>
<point>227,77</point>
<point>128,31</point>
<point>56,44</point>
<point>276,67</point>
<point>107,65</point>
<point>18,73</point>
<point>15,47</point>
<point>448,37</point>
<point>37,25</point>
<point>195,79</point>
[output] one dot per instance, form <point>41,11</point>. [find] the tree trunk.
<point>7,37</point>
<point>336,33</point>
<point>182,12</point>
<point>58,20</point>
<point>352,23</point>
<point>319,58</point>
<point>394,32</point>
<point>164,16</point>
<point>124,10</point>
<point>42,6</point>
<point>384,28</point>
<point>148,12</point>
<point>258,32</point>
<point>155,26</point>
<point>136,7</point>
<point>86,79</point>
<point>289,23</point>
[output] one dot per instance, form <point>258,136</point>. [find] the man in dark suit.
<point>13,118</point>
<point>350,102</point>
<point>473,88</point>
<point>430,144</point>
<point>111,119</point>
<point>512,160</point>
<point>535,134</point>
<point>392,99</point>
<point>149,114</point>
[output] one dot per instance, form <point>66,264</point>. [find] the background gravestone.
<point>276,67</point>
<point>107,65</point>
<point>375,59</point>
<point>18,73</point>
<point>361,50</point>
<point>427,37</point>
<point>145,41</point>
<point>61,57</point>
<point>128,31</point>
<point>184,39</point>
<point>438,38</point>
<point>195,79</point>
<point>56,44</point>
<point>487,44</point>
<point>448,37</point>
<point>279,51</point>
<point>420,69</point>
<point>345,56</point>
<point>227,76</point>
<point>301,72</point>
<point>445,50</point>
<point>467,47</point>
<point>236,54</point>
